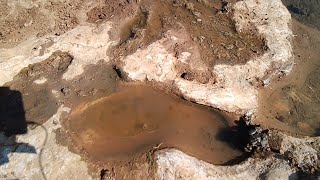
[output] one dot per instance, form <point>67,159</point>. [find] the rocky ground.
<point>248,59</point>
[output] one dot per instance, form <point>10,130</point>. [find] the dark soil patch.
<point>307,11</point>
<point>208,23</point>
<point>41,101</point>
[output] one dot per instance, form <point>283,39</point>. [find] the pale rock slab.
<point>173,164</point>
<point>50,160</point>
<point>87,44</point>
<point>233,90</point>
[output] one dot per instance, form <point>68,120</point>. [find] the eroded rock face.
<point>153,63</point>
<point>295,154</point>
<point>302,152</point>
<point>232,88</point>
<point>173,164</point>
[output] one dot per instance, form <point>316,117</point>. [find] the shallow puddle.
<point>139,118</point>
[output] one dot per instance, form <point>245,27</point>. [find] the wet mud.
<point>44,91</point>
<point>209,25</point>
<point>116,125</point>
<point>292,103</point>
<point>139,118</point>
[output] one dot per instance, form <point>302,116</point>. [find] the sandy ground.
<point>58,55</point>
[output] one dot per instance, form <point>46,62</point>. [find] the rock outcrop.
<point>232,90</point>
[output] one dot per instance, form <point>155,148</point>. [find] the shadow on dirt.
<point>236,137</point>
<point>304,175</point>
<point>307,12</point>
<point>12,123</point>
<point>317,132</point>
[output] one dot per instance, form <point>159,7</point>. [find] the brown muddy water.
<point>139,118</point>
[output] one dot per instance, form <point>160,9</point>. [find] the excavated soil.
<point>118,127</point>
<point>20,20</point>
<point>209,24</point>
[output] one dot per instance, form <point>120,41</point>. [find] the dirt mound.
<point>20,20</point>
<point>208,23</point>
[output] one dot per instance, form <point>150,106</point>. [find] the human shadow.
<point>237,137</point>
<point>317,133</point>
<point>12,123</point>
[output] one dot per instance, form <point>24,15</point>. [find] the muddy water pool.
<point>139,118</point>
